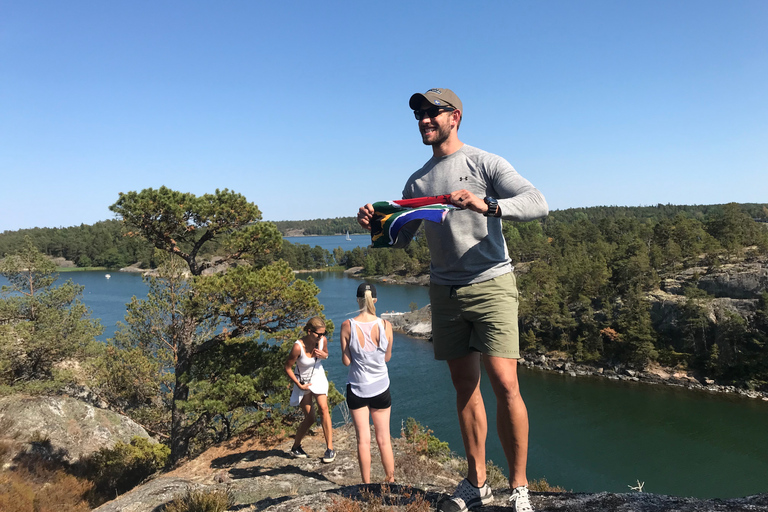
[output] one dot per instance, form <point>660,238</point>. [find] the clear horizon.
<point>302,108</point>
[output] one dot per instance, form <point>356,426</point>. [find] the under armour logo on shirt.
<point>465,178</point>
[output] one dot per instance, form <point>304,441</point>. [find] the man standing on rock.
<point>472,288</point>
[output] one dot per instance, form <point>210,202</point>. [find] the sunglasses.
<point>431,112</point>
<point>321,334</point>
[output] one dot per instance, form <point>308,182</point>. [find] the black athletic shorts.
<point>380,401</point>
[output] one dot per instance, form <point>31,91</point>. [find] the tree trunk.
<point>179,441</point>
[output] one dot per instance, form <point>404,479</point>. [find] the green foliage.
<point>411,261</point>
<point>304,257</point>
<point>423,442</point>
<point>101,244</point>
<point>43,328</point>
<point>119,469</point>
<point>136,381</point>
<point>182,224</point>
<point>202,501</point>
<point>323,227</point>
<point>734,229</point>
<point>495,476</point>
<point>584,274</point>
<point>638,337</point>
<point>215,336</point>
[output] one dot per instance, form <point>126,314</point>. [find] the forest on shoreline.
<point>586,276</point>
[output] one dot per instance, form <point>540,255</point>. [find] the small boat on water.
<point>107,276</point>
<point>348,237</point>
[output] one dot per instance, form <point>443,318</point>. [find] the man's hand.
<point>466,200</point>
<point>364,216</point>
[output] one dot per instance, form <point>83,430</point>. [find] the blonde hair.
<point>366,303</point>
<point>315,323</point>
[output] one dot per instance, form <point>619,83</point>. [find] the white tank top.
<point>308,366</point>
<point>368,376</point>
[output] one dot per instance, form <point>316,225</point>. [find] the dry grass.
<point>202,501</point>
<point>494,475</point>
<point>541,485</point>
<point>42,491</point>
<point>407,500</point>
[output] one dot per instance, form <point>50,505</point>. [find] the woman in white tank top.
<point>309,380</point>
<point>366,347</point>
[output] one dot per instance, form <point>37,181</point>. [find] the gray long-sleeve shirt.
<point>469,247</point>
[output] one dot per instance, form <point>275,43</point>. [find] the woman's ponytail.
<point>366,303</point>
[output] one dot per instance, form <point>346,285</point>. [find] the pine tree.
<point>198,322</point>
<point>42,327</point>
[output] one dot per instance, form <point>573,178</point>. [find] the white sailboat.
<point>348,237</point>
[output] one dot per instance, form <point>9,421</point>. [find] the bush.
<point>202,501</point>
<point>423,442</point>
<point>121,468</point>
<point>494,475</point>
<point>542,485</point>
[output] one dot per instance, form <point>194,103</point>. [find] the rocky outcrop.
<point>745,280</point>
<point>72,427</point>
<point>417,324</point>
<point>263,477</point>
<point>666,309</point>
<point>399,497</point>
<point>63,263</point>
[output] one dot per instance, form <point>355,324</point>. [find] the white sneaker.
<point>466,497</point>
<point>519,500</point>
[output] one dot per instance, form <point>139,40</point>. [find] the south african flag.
<point>390,216</point>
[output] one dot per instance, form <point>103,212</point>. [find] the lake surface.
<point>587,434</point>
<point>332,242</point>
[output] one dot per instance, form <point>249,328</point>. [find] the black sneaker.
<point>298,453</point>
<point>329,456</point>
<point>466,497</point>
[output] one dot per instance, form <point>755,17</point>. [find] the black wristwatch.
<point>493,206</point>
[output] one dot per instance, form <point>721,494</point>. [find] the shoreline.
<point>653,375</point>
<point>417,324</point>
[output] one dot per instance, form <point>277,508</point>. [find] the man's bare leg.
<point>511,416</point>
<point>465,374</point>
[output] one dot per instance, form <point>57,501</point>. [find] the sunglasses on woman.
<point>431,112</point>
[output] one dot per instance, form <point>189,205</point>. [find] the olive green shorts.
<point>480,317</point>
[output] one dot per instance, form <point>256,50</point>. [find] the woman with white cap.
<point>366,344</point>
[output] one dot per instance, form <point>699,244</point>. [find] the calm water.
<point>332,242</point>
<point>587,434</point>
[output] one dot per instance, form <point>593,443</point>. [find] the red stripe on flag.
<point>424,201</point>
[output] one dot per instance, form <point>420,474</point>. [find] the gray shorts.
<point>480,317</point>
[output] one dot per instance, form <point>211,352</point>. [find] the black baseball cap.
<point>364,288</point>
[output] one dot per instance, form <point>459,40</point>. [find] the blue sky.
<point>302,106</point>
